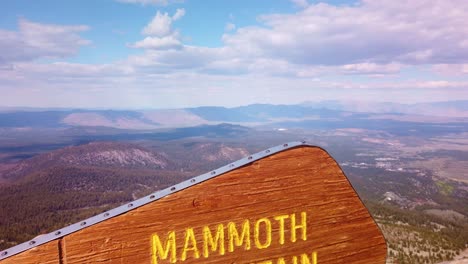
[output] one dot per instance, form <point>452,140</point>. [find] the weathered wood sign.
<point>290,204</point>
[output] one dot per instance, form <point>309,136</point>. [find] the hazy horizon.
<point>304,103</point>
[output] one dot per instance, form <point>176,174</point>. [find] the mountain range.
<point>251,115</point>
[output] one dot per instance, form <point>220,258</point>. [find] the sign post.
<point>291,204</point>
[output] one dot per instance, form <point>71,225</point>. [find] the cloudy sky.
<point>178,53</point>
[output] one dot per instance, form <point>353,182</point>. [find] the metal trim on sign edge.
<point>42,239</point>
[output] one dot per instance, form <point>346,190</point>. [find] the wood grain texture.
<point>305,179</point>
<point>47,253</point>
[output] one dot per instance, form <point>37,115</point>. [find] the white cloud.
<point>160,25</point>
<point>229,27</point>
<point>371,68</point>
<point>58,73</point>
<point>124,86</point>
<point>367,38</point>
<point>160,34</point>
<point>377,31</point>
<point>300,3</point>
<point>180,12</point>
<point>451,69</point>
<point>186,58</point>
<point>166,42</point>
<point>287,58</point>
<point>35,40</point>
<point>151,2</point>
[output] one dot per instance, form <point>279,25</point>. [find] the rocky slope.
<point>95,154</point>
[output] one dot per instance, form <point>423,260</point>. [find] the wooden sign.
<point>290,204</point>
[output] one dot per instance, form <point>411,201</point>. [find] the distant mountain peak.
<point>95,154</point>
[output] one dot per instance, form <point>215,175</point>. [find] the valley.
<point>411,175</point>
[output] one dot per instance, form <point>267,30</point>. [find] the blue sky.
<point>170,54</point>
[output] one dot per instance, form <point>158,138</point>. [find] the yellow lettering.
<point>267,233</point>
<point>302,226</point>
<point>281,261</point>
<point>235,240</point>
<point>190,239</point>
<point>305,259</point>
<point>302,259</point>
<point>163,252</point>
<point>166,249</point>
<point>294,260</point>
<point>214,244</point>
<point>280,219</point>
